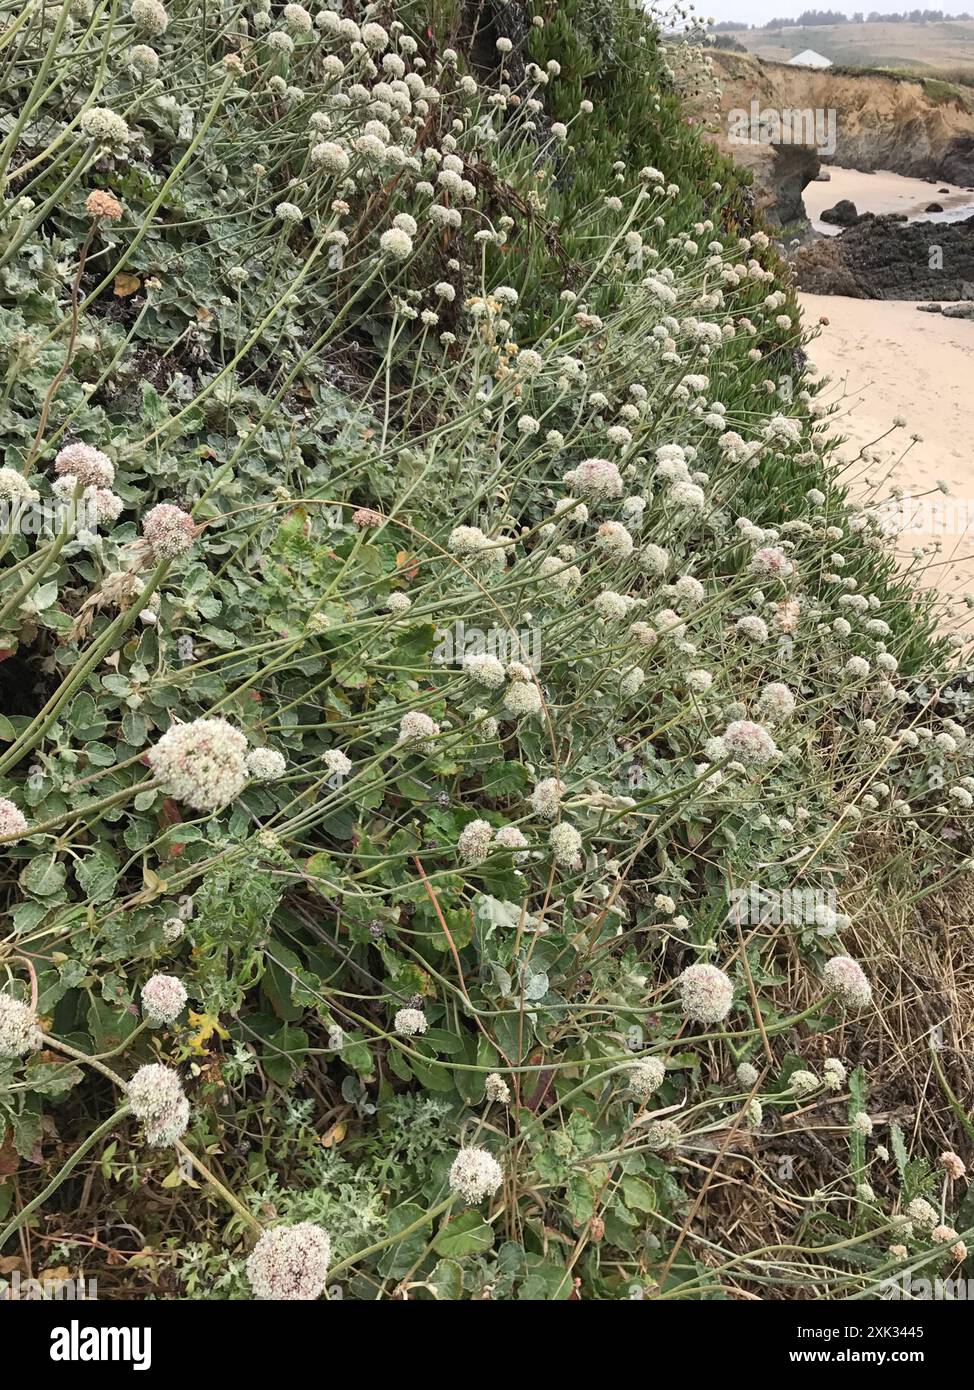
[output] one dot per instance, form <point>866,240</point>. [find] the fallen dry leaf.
<point>126,284</point>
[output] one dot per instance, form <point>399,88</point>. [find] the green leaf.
<point>469,1234</point>
<point>97,874</point>
<point>53,1078</point>
<point>43,876</point>
<point>447,1280</point>
<point>639,1194</point>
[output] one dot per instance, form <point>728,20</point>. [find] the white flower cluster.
<point>203,763</point>
<point>13,823</point>
<point>706,993</point>
<point>169,530</point>
<point>290,1263</point>
<point>19,1031</point>
<point>163,998</point>
<point>846,977</point>
<point>155,1094</point>
<point>475,1174</point>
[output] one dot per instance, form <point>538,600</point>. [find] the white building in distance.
<point>808,58</point>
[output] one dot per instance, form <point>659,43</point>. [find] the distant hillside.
<point>945,48</point>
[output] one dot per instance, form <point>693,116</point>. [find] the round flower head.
<point>646,1077</point>
<point>475,1174</point>
<point>747,1075</point>
<point>546,797</point>
<point>102,205</point>
<point>297,18</point>
<point>202,763</point>
<point>662,1135</point>
<point>14,487</point>
<point>749,743</point>
<point>12,820</point>
<point>150,16</point>
<point>101,124</point>
<point>771,563</point>
<point>833,1073</point>
<point>706,993</point>
<point>953,1165</point>
<point>375,37</point>
<point>266,764</point>
<point>19,1033</point>
<point>104,504</point>
<point>337,763</point>
<point>776,701</point>
<point>846,977</point>
<point>566,845</point>
<point>330,157</point>
<point>396,243</point>
<point>155,1094</point>
<point>172,929</point>
<point>417,727</point>
<point>803,1083</point>
<point>752,627</point>
<point>471,541</point>
<point>169,530</point>
<point>596,478</point>
<point>281,43</point>
<point>410,1022</point>
<point>144,59</point>
<point>509,837</point>
<point>288,212</point>
<point>497,1090</point>
<point>290,1262</point>
<point>522,698</point>
<point>90,466</point>
<point>163,997</point>
<point>475,841</point>
<point>923,1216</point>
<point>613,539</point>
<point>484,668</point>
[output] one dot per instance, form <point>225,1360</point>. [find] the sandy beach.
<point>888,360</point>
<point>883,192</point>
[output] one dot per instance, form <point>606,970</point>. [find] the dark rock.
<point>844,214</point>
<point>934,207</point>
<point>943,190</point>
<point>823,176</point>
<point>795,166</point>
<point>880,258</point>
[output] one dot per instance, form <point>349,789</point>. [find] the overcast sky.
<point>760,11</point>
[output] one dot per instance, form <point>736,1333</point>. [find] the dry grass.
<point>767,1188</point>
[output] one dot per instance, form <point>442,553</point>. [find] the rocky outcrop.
<point>881,122</point>
<point>885,258</point>
<point>779,174</point>
<point>844,214</point>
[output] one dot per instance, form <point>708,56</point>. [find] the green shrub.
<point>469,615</point>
